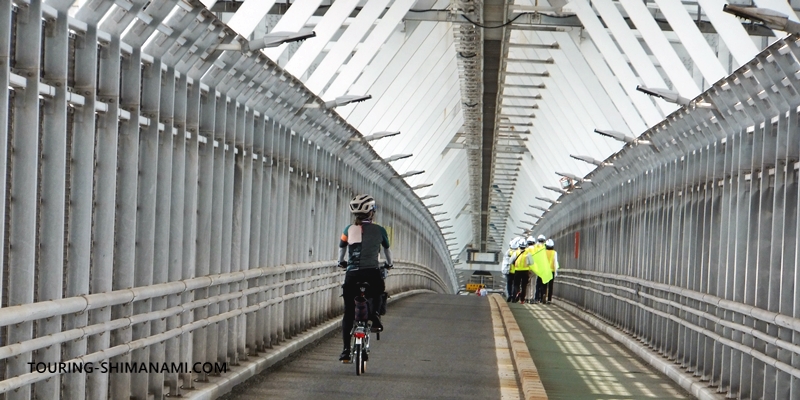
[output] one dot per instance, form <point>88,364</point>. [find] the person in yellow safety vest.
<point>508,265</point>
<point>540,267</point>
<point>522,270</point>
<point>552,258</point>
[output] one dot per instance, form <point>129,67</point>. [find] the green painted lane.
<point>576,361</point>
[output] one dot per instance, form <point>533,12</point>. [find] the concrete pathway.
<point>576,361</point>
<point>435,347</point>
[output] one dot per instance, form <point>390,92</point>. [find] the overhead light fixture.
<point>540,208</point>
<point>548,200</point>
<point>445,227</point>
<point>434,205</point>
<point>544,74</point>
<point>411,173</point>
<point>442,220</point>
<point>772,19</point>
<point>374,136</point>
<point>672,96</point>
<point>591,160</point>
<point>429,196</point>
<point>621,137</point>
<point>517,116</point>
<point>524,86</point>
<point>526,107</point>
<point>439,213</point>
<point>532,215</point>
<point>448,233</point>
<point>424,185</point>
<point>393,158</point>
<point>526,222</point>
<point>514,132</point>
<point>573,177</point>
<point>667,95</point>
<point>339,101</point>
<point>516,96</point>
<point>526,60</point>
<point>272,39</point>
<point>553,45</point>
<point>555,189</point>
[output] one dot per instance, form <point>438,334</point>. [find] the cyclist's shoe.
<point>345,357</point>
<point>377,326</point>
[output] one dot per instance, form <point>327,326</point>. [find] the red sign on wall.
<point>577,243</point>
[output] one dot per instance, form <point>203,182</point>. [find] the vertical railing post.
<point>53,167</point>
<point>175,262</point>
<point>126,210</point>
<point>146,214</point>
<point>191,231</point>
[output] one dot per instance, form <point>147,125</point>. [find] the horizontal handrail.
<point>712,335</point>
<point>51,308</point>
<point>769,317</point>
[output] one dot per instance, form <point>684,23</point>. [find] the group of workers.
<point>526,258</point>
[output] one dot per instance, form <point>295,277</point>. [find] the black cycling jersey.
<point>364,244</point>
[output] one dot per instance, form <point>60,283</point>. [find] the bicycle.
<point>359,347</point>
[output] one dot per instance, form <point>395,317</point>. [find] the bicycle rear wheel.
<point>363,361</point>
<point>358,357</point>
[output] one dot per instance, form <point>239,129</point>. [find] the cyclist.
<point>363,239</point>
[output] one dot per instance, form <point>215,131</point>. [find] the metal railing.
<point>166,203</point>
<point>690,242</point>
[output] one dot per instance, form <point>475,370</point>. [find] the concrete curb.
<point>218,386</point>
<point>674,372</point>
<point>529,380</point>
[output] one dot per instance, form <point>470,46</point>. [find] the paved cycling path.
<point>576,361</point>
<point>435,347</point>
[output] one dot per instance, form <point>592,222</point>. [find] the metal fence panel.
<point>690,243</point>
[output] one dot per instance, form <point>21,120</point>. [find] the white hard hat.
<point>541,238</point>
<point>530,240</point>
<point>549,244</point>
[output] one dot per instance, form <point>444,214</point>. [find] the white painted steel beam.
<point>671,64</point>
<point>245,19</point>
<point>731,31</point>
<point>693,41</point>
<point>325,30</point>
<point>594,61</point>
<point>633,50</point>
<point>294,20</point>
<point>612,57</point>
<point>353,35</point>
<point>377,37</point>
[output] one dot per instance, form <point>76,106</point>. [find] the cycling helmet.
<point>549,244</point>
<point>541,238</point>
<point>362,204</point>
